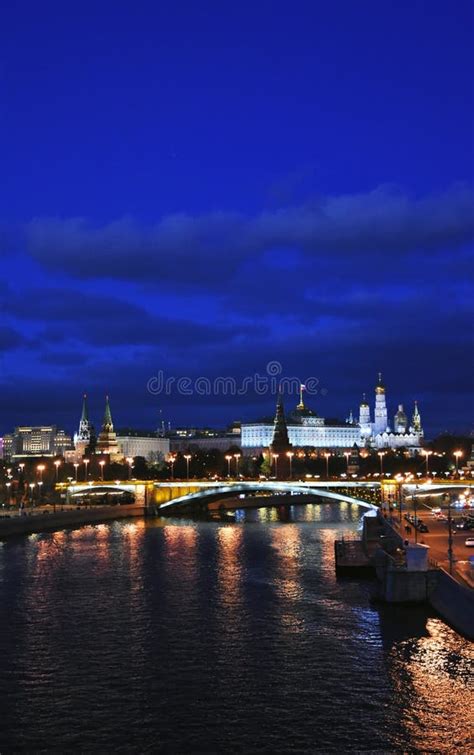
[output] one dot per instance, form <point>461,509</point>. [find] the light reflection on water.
<point>182,636</point>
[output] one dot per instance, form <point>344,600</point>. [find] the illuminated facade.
<point>378,434</point>
<point>306,429</point>
<point>44,440</point>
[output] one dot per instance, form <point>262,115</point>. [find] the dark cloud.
<point>10,338</point>
<point>102,320</point>
<point>202,249</point>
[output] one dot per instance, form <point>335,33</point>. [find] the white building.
<point>151,447</point>
<point>306,429</point>
<point>378,433</point>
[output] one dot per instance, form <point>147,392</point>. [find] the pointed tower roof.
<point>364,400</point>
<point>416,419</point>
<point>85,413</point>
<point>107,424</point>
<point>280,440</point>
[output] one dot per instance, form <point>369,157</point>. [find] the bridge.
<point>168,495</point>
<point>164,496</point>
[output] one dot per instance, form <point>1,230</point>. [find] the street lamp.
<point>275,459</point>
<point>41,468</point>
<point>427,455</point>
<point>237,457</point>
<point>457,455</point>
<point>347,455</point>
<point>381,454</point>
<point>326,456</point>
<point>57,464</point>
<point>172,459</point>
<point>102,464</point>
<point>228,460</point>
<point>188,459</point>
<point>85,462</point>
<point>76,467</point>
<point>290,455</point>
<point>450,537</point>
<point>129,461</point>
<point>32,487</point>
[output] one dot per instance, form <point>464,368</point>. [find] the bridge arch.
<point>224,491</point>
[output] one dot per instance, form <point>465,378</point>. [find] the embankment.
<point>26,525</point>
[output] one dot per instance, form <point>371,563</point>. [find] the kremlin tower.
<point>83,436</point>
<point>416,420</point>
<point>107,440</point>
<point>280,444</point>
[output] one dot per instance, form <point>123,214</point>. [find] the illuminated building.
<point>307,429</point>
<point>107,440</point>
<point>378,434</point>
<point>41,440</point>
<point>148,445</point>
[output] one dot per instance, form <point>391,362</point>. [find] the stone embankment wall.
<point>25,525</point>
<point>454,602</point>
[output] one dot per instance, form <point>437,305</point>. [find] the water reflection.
<point>230,571</point>
<point>431,669</point>
<point>209,637</point>
<point>287,580</point>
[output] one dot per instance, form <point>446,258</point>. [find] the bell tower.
<point>380,412</point>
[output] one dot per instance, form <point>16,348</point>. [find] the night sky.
<point>204,187</point>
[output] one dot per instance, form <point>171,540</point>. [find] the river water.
<point>206,637</point>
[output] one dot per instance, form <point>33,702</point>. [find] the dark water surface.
<point>179,637</point>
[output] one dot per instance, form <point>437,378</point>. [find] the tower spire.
<point>301,405</point>
<point>280,441</point>
<point>83,434</point>
<point>85,413</point>
<point>107,424</point>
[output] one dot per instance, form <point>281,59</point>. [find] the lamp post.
<point>290,455</point>
<point>85,462</point>
<point>237,458</point>
<point>188,459</point>
<point>326,456</point>
<point>8,486</point>
<point>40,468</point>
<point>457,455</point>
<point>172,459</point>
<point>450,538</point>
<point>102,465</point>
<point>129,461</point>
<point>275,460</point>
<point>381,454</point>
<point>32,487</point>
<point>228,460</point>
<point>57,464</point>
<point>76,467</point>
<point>347,455</point>
<point>427,455</point>
<point>415,511</point>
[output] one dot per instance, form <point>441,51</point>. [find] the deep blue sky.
<point>201,188</point>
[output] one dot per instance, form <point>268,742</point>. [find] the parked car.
<point>469,542</point>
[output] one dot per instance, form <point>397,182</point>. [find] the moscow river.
<point>181,636</point>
